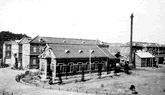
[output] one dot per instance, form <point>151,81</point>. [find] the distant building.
<point>10,50</point>
<point>155,49</point>
<point>144,59</point>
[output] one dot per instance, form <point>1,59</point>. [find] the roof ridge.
<point>69,38</point>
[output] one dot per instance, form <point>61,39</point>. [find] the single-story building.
<point>144,59</point>
<point>69,59</point>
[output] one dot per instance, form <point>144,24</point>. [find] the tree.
<point>8,36</point>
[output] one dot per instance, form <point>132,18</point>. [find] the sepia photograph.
<point>82,47</point>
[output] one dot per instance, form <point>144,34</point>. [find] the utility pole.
<point>90,71</point>
<point>130,59</point>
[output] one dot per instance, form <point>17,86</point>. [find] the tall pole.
<point>130,59</point>
<point>90,72</point>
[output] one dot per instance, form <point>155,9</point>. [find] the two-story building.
<point>10,52</point>
<point>157,50</point>
<point>37,44</point>
<point>24,52</point>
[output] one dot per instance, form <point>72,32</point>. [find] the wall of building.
<point>25,55</point>
<point>13,50</point>
<point>138,61</point>
<point>35,50</point>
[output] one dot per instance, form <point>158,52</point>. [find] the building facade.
<point>69,59</point>
<point>10,52</point>
<point>38,43</point>
<point>144,59</point>
<point>24,52</point>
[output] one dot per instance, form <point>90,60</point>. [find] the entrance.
<point>49,71</point>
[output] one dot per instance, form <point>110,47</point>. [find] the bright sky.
<point>106,20</point>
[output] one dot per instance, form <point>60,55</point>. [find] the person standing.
<point>126,68</point>
<point>16,61</point>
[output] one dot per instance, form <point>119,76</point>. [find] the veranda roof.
<point>144,55</point>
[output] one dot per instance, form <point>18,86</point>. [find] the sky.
<point>105,20</point>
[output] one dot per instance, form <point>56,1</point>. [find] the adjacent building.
<point>157,50</point>
<point>144,59</point>
<point>10,52</point>
<point>24,52</point>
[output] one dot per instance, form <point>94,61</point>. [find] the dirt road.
<point>8,83</point>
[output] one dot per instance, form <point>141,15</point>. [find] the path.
<point>8,83</point>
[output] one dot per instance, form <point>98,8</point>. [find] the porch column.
<point>43,69</point>
<point>54,69</point>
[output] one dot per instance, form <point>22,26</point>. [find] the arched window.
<point>80,64</point>
<point>96,65</point>
<point>87,67</point>
<point>71,66</point>
<point>34,61</point>
<point>34,49</point>
<point>60,67</point>
<point>103,65</point>
<point>75,67</point>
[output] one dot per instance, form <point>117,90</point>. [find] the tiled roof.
<point>106,51</point>
<point>76,51</point>
<point>65,41</point>
<point>144,55</point>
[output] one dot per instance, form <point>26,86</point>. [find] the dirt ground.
<point>147,81</point>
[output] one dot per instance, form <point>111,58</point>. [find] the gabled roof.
<point>144,55</point>
<point>77,51</point>
<point>107,52</point>
<point>25,40</point>
<point>11,42</point>
<point>72,41</point>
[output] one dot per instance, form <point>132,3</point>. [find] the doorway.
<point>49,71</point>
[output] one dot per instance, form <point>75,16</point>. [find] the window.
<point>67,51</point>
<point>34,61</point>
<point>92,51</point>
<point>80,51</point>
<point>8,54</point>
<point>40,49</point>
<point>71,66</point>
<point>8,47</point>
<point>34,49</point>
<point>80,64</point>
